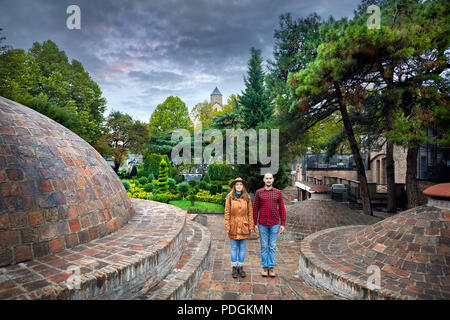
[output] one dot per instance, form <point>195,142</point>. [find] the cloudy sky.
<point>142,51</point>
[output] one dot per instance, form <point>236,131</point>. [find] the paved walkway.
<point>218,284</point>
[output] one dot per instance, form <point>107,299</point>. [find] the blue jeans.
<point>268,236</point>
<point>238,246</point>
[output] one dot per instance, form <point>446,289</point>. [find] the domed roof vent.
<point>56,191</point>
<point>411,250</point>
<point>311,215</point>
<point>438,195</point>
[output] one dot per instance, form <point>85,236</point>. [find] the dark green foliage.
<point>202,185</point>
<point>171,182</point>
<point>151,177</point>
<point>152,161</point>
<point>192,183</point>
<point>126,185</point>
<point>219,171</point>
<point>173,172</point>
<point>192,198</point>
<point>255,102</point>
<point>208,186</point>
<point>148,187</point>
<point>213,189</point>
<point>133,172</point>
<point>179,179</point>
<point>44,79</point>
<point>183,188</point>
<point>143,180</point>
<point>206,178</point>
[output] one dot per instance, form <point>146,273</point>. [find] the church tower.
<point>216,99</point>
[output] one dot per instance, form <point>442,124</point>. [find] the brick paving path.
<point>218,284</point>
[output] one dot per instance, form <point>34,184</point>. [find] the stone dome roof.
<point>310,216</point>
<point>56,191</point>
<point>410,248</point>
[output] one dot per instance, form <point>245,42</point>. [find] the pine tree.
<point>255,102</point>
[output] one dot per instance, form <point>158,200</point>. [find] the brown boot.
<point>235,272</point>
<point>241,271</point>
<point>264,272</point>
<point>271,272</point>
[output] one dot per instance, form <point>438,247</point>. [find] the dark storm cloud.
<point>140,51</point>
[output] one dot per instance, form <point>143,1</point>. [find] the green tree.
<point>170,115</point>
<point>203,112</point>
<point>3,47</point>
<point>255,102</point>
<point>122,135</point>
<point>44,77</point>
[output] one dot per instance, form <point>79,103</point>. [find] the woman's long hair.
<point>244,195</point>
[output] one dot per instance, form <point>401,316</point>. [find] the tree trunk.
<point>412,188</point>
<point>365,197</point>
<point>411,185</point>
<point>116,166</point>
<point>390,166</point>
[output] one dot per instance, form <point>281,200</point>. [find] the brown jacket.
<point>238,217</point>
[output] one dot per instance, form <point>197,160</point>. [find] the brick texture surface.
<point>307,217</point>
<point>53,185</point>
<point>411,249</point>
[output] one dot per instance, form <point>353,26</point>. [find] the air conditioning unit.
<point>339,193</point>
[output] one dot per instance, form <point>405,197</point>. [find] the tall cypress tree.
<point>255,102</point>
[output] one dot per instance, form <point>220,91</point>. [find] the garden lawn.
<point>204,206</point>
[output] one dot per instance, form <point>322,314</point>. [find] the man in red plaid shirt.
<point>268,213</point>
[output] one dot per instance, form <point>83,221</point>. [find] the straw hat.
<point>238,180</point>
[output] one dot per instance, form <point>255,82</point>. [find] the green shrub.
<point>208,186</point>
<point>173,172</point>
<point>148,187</point>
<point>202,185</point>
<point>206,196</point>
<point>163,176</point>
<point>183,188</point>
<point>152,162</point>
<point>192,183</point>
<point>179,179</point>
<point>192,198</point>
<point>219,171</point>
<point>143,180</point>
<point>213,189</point>
<point>151,177</point>
<point>164,197</point>
<point>171,182</point>
<point>194,210</point>
<point>126,185</point>
<point>206,178</point>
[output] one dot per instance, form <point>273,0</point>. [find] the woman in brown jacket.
<point>238,223</point>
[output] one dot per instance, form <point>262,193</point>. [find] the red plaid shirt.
<point>270,203</point>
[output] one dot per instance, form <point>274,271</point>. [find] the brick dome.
<point>310,216</point>
<point>56,191</point>
<point>410,248</point>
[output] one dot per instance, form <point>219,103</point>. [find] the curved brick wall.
<point>310,216</point>
<point>56,191</point>
<point>410,248</point>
